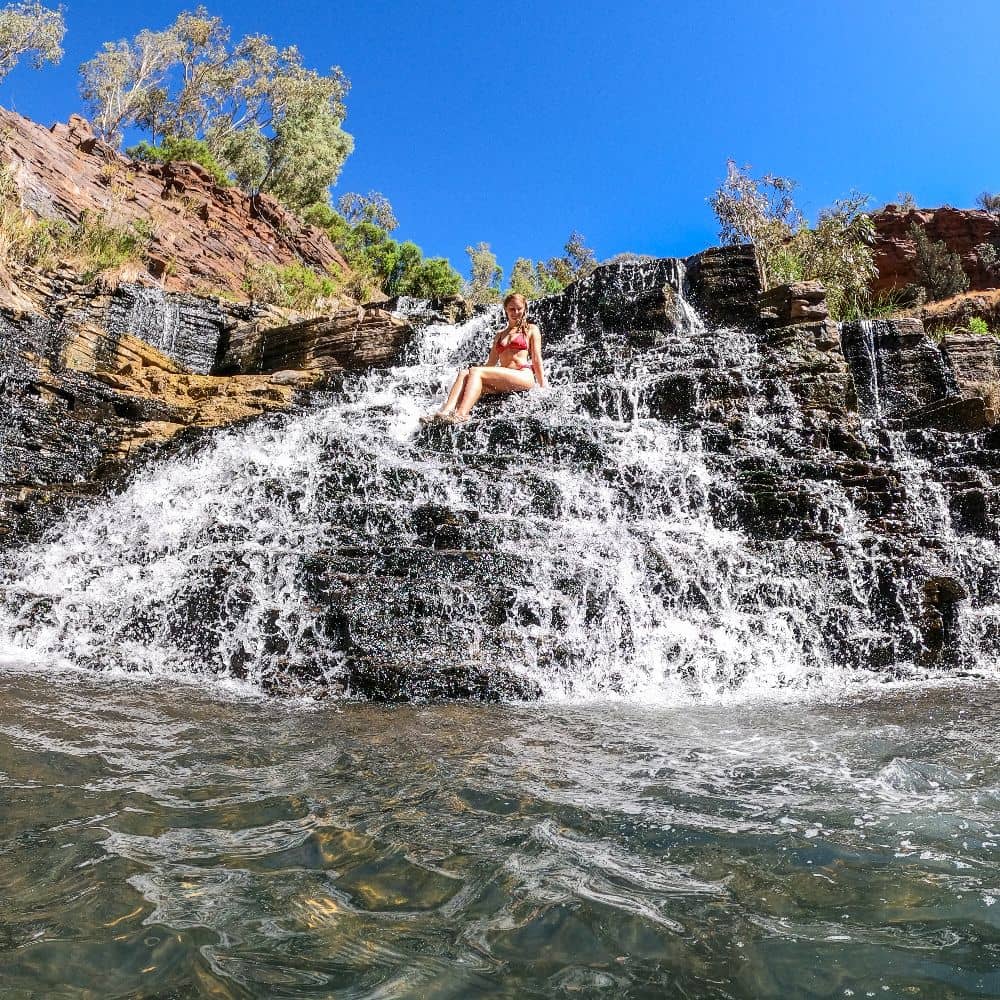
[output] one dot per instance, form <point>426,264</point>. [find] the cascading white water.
<point>154,317</point>
<point>594,531</point>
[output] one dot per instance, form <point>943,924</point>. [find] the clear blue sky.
<point>516,123</point>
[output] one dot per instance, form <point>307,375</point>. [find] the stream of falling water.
<point>631,587</point>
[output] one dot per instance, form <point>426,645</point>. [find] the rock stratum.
<point>204,237</point>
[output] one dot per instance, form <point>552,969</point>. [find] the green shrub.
<point>938,269</point>
<point>865,305</point>
<point>181,150</point>
<point>380,263</point>
<point>103,246</point>
<point>94,242</point>
<point>837,252</point>
<point>293,286</point>
<point>483,287</point>
<point>432,278</point>
<point>978,325</point>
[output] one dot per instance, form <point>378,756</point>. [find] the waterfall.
<point>860,340</point>
<point>186,328</point>
<point>577,541</point>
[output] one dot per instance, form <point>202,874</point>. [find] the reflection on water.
<point>161,842</point>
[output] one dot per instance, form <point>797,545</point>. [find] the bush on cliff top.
<point>175,149</point>
<point>939,271</point>
<point>762,212</point>
<point>294,286</point>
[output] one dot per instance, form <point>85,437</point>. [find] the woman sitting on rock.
<point>514,365</point>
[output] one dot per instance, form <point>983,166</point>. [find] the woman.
<point>514,365</point>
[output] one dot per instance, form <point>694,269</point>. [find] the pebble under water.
<point>166,842</point>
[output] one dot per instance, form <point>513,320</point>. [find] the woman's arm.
<point>535,346</point>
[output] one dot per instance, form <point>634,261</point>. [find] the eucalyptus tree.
<point>272,123</point>
<point>30,28</point>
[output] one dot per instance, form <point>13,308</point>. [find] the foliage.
<point>533,280</point>
<point>989,203</point>
<point>939,270</point>
<point>372,207</point>
<point>269,121</point>
<point>177,150</point>
<point>988,255</point>
<point>293,286</point>
<point>762,212</point>
<point>30,27</point>
<point>380,263</point>
<point>866,305</point>
<point>524,279</point>
<point>483,287</point>
<point>432,278</point>
<point>95,243</point>
<point>756,211</point>
<point>578,256</point>
<point>978,325</point>
<point>838,251</point>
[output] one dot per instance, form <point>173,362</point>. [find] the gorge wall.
<point>718,492</point>
<point>204,238</point>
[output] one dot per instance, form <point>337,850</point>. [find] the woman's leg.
<point>482,380</point>
<point>456,392</point>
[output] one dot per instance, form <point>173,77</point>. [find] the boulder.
<point>897,368</point>
<point>798,302</point>
<point>348,340</point>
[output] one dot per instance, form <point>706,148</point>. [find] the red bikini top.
<point>516,343</point>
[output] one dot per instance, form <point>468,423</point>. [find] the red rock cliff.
<point>962,230</point>
<point>204,234</point>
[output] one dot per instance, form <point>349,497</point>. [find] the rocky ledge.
<point>95,379</point>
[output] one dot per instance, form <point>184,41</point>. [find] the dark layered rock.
<point>351,339</point>
<point>835,456</point>
<point>898,368</point>
<point>95,378</point>
<point>67,433</point>
<point>724,285</point>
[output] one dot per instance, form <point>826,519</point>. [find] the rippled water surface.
<point>171,841</point>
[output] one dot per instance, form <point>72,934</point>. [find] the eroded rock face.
<point>898,369</point>
<point>205,238</point>
<point>102,377</point>
<point>66,433</point>
<point>351,339</point>
<point>835,489</point>
<point>962,231</point>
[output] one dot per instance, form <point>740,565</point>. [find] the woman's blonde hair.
<point>518,297</point>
